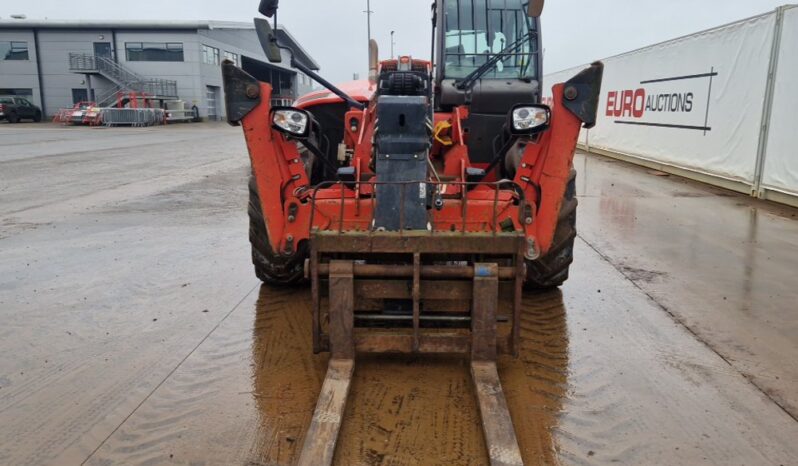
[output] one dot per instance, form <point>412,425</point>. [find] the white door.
<point>211,94</point>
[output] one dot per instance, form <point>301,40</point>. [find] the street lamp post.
<point>368,17</point>
<point>392,43</point>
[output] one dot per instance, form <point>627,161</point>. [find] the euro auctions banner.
<point>694,102</point>
<point>676,102</point>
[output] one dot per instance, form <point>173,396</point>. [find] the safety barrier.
<point>132,116</point>
<point>717,106</point>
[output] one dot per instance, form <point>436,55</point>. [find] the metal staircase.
<point>123,78</point>
<point>108,97</point>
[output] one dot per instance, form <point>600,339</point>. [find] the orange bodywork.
<point>292,207</point>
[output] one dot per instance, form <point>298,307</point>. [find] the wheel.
<point>551,270</point>
<point>13,118</point>
<point>37,117</point>
<point>271,267</point>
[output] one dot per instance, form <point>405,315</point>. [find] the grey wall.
<point>186,73</point>
<point>55,46</point>
<point>20,74</point>
<point>226,40</point>
<point>244,42</point>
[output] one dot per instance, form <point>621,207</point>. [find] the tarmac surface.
<point>133,330</point>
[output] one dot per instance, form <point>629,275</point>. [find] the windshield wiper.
<point>471,78</point>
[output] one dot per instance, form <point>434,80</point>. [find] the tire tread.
<point>551,270</point>
<point>270,267</point>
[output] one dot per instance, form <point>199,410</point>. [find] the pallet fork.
<point>464,297</point>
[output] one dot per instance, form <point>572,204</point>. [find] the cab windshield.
<point>476,30</point>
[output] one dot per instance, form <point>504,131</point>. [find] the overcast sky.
<point>334,31</point>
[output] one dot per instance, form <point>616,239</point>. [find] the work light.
<point>292,121</point>
<point>529,119</point>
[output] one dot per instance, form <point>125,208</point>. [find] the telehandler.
<point>417,201</point>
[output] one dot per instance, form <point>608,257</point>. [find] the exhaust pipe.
<point>374,61</point>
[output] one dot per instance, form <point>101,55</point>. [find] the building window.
<point>210,55</point>
<point>27,93</point>
<point>82,95</point>
<point>233,57</point>
<point>14,51</point>
<point>154,51</point>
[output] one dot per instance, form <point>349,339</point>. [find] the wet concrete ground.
<point>132,329</point>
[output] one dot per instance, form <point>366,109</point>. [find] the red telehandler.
<point>415,202</point>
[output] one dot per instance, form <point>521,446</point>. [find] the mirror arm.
<point>431,95</point>
<point>301,67</point>
<point>263,31</point>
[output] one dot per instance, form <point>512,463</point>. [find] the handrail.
<point>105,98</point>
<point>121,75</point>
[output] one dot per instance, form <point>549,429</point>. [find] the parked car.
<point>14,109</point>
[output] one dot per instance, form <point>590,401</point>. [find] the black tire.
<point>37,117</point>
<point>13,118</point>
<point>271,267</point>
<point>551,270</point>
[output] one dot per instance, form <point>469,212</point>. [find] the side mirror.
<point>535,8</point>
<point>268,40</point>
<point>374,60</point>
<point>268,7</point>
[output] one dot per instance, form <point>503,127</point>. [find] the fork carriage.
<point>388,292</point>
<point>398,282</point>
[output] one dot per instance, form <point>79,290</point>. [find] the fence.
<point>132,116</point>
<point>717,106</point>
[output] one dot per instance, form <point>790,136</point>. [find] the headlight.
<point>529,119</point>
<point>292,121</point>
